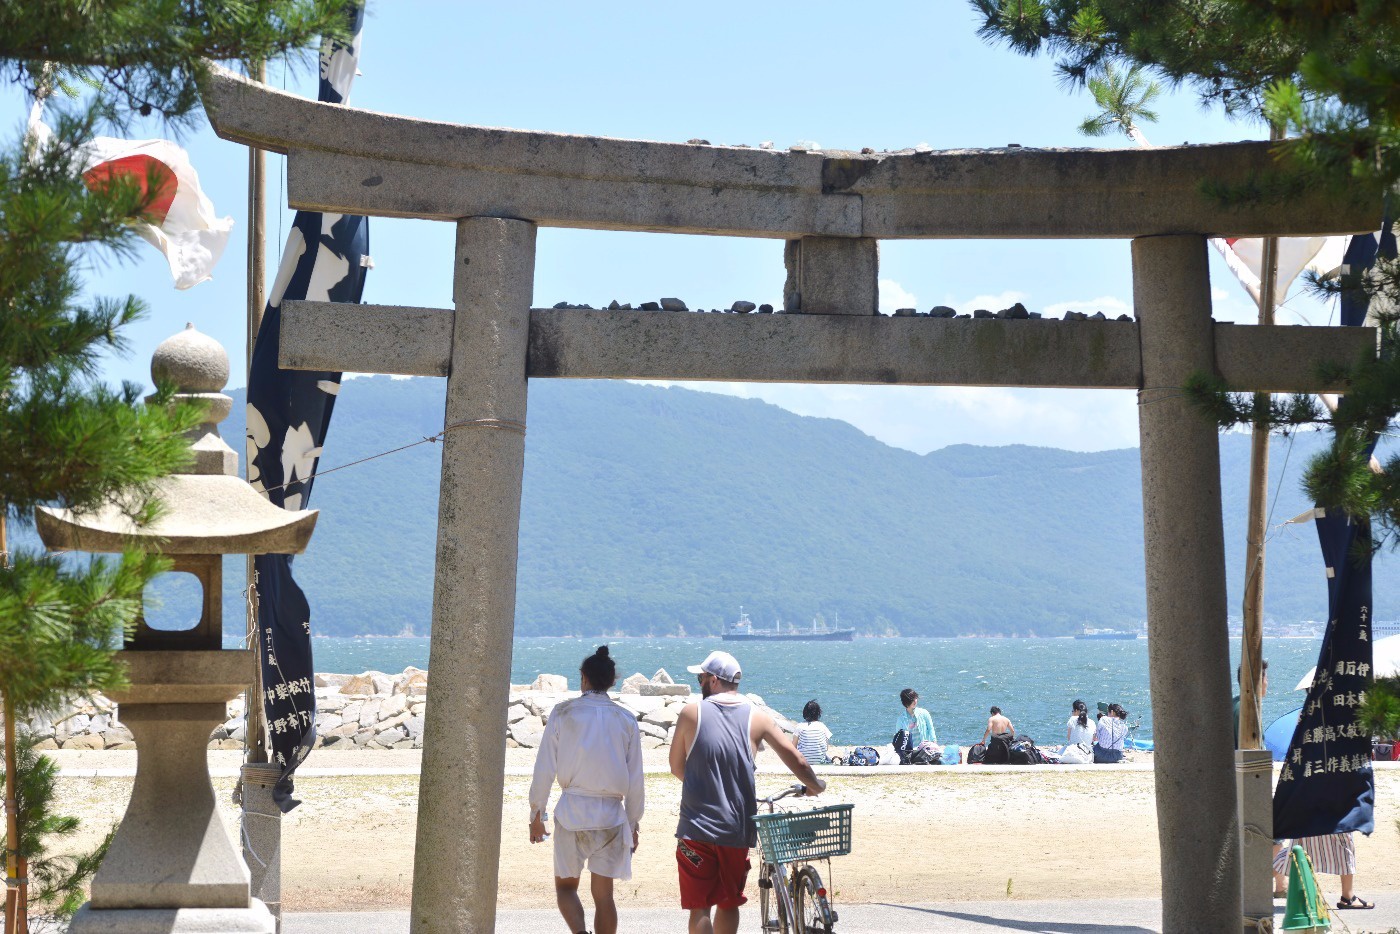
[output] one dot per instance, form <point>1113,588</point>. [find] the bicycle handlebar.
<point>795,790</point>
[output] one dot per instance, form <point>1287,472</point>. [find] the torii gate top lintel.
<point>352,161</point>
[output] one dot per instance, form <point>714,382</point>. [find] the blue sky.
<point>887,76</point>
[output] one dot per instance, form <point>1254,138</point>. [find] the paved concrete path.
<point>1125,916</point>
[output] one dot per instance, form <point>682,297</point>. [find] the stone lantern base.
<point>171,868</point>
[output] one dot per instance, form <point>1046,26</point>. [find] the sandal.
<point>1280,893</point>
<point>1355,901</point>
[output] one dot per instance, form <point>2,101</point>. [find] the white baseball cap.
<point>720,664</point>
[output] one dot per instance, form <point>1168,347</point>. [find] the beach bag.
<point>1077,754</point>
<point>900,742</point>
<point>976,753</point>
<point>1023,752</point>
<point>926,754</point>
<point>864,755</point>
<point>888,755</point>
<point>998,750</point>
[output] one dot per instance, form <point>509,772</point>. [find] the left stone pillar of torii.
<point>456,858</point>
<point>172,867</point>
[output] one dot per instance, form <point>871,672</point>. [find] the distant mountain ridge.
<point>650,510</point>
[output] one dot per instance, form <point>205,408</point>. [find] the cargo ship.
<point>744,630</point>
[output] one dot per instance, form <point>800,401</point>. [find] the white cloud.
<point>1108,304</point>
<point>991,302</point>
<point>893,295</point>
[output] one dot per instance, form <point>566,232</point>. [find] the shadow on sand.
<point>1039,927</point>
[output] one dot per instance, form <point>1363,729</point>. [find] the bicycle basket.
<point>789,836</point>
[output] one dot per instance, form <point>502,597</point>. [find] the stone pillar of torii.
<point>498,186</point>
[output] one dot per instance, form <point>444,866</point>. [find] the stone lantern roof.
<point>208,510</point>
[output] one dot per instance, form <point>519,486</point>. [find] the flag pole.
<point>1252,637</point>
<point>254,747</point>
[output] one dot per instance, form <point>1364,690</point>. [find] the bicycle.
<point>792,898</point>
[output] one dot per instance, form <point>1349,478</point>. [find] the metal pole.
<point>254,746</point>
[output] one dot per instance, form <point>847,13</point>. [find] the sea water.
<point>857,683</point>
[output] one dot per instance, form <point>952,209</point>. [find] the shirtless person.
<point>714,759</point>
<point>998,737</point>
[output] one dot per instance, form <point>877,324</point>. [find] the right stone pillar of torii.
<point>1187,639</point>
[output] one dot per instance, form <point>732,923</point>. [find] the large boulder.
<point>332,703</point>
<point>556,684</point>
<point>393,705</point>
<point>641,704</point>
<point>369,682</point>
<point>528,733</point>
<point>369,712</point>
<point>665,717</point>
<point>517,712</point>
<point>651,729</point>
<point>633,684</point>
<point>662,676</point>
<point>413,681</point>
<point>651,689</point>
<point>330,680</point>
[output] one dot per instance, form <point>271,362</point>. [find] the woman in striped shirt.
<point>811,737</point>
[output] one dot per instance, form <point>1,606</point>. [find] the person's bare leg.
<point>1347,880</point>
<point>566,895</point>
<point>700,921</point>
<point>604,908</point>
<point>1280,879</point>
<point>726,920</point>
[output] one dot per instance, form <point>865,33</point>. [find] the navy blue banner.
<point>1327,784</point>
<point>325,259</point>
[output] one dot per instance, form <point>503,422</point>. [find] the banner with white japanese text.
<point>325,259</point>
<point>1327,785</point>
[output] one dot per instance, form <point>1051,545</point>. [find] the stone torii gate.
<point>831,208</point>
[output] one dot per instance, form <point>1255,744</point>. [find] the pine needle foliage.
<point>58,882</point>
<point>147,57</point>
<point>1124,98</point>
<point>66,438</point>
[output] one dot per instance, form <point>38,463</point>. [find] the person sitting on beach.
<point>1079,736</point>
<point>914,723</point>
<point>594,748</point>
<point>812,736</point>
<point>1108,738</point>
<point>998,737</point>
<point>712,753</point>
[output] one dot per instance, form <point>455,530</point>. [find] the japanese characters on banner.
<point>325,259</point>
<point>1327,785</point>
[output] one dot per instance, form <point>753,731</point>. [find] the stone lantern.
<point>172,867</point>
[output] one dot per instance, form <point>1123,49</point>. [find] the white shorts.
<point>605,852</point>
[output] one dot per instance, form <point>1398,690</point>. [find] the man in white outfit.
<point>594,749</point>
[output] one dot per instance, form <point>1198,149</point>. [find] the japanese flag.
<point>1245,257</point>
<point>182,223</point>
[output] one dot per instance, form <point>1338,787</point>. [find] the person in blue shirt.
<point>914,722</point>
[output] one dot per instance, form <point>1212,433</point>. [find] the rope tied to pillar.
<point>1264,925</point>
<point>501,424</point>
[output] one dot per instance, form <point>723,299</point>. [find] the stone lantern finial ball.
<point>194,362</point>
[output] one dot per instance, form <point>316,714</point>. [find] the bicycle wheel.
<point>773,916</point>
<point>814,914</point>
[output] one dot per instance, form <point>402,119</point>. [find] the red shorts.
<point>712,875</point>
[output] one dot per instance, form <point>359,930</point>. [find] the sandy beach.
<point>945,833</point>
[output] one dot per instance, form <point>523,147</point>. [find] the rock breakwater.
<point>375,710</point>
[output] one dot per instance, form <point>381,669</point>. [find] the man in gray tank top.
<point>712,753</point>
